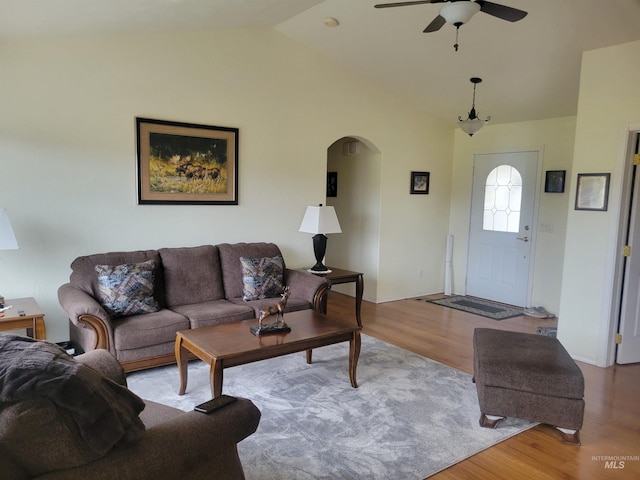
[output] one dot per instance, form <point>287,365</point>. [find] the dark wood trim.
<point>100,332</point>
<point>150,362</point>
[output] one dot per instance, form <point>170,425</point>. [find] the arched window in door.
<point>502,200</point>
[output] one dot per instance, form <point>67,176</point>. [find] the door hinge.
<point>636,159</point>
<point>626,251</point>
<point>618,338</point>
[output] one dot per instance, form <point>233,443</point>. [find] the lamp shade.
<point>7,238</point>
<point>320,220</point>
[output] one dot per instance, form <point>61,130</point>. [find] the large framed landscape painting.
<point>185,163</point>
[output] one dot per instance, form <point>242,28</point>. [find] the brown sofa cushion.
<point>214,313</point>
<point>59,413</point>
<point>293,304</point>
<point>147,329</point>
<point>191,275</point>
<point>232,268</point>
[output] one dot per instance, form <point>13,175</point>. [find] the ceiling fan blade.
<point>404,4</point>
<point>501,11</point>
<point>435,25</point>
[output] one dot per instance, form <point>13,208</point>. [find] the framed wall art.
<point>554,181</point>
<point>185,163</point>
<point>332,184</point>
<point>419,183</point>
<point>592,192</point>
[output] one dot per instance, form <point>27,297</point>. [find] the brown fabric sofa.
<point>38,440</point>
<point>193,287</point>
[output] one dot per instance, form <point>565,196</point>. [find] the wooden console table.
<point>32,318</point>
<point>338,275</point>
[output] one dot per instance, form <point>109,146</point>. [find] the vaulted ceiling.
<point>530,69</point>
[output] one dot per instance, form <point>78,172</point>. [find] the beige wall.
<point>414,227</point>
<point>608,108</point>
<point>554,140</point>
<point>68,165</point>
<point>68,169</point>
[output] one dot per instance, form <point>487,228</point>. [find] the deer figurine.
<point>277,308</point>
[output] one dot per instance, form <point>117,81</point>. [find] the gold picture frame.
<point>186,163</point>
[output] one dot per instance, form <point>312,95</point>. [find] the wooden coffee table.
<point>228,345</point>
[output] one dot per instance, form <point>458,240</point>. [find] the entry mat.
<point>479,306</point>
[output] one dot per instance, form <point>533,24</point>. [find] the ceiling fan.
<point>459,12</point>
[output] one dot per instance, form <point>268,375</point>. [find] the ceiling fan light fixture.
<point>473,123</point>
<point>459,13</point>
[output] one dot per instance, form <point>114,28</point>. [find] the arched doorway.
<point>355,164</point>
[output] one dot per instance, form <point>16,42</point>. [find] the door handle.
<point>524,239</point>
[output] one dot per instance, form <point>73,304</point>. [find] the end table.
<point>338,275</point>
<point>24,313</point>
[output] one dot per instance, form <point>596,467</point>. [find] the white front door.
<point>629,349</point>
<point>501,227</point>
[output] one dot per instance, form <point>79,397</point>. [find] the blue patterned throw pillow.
<point>262,277</point>
<point>127,289</point>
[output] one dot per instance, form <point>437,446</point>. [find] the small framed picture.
<point>419,183</point>
<point>554,181</point>
<point>592,192</point>
<point>332,184</point>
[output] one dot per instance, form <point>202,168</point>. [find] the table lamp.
<point>7,238</point>
<point>320,221</point>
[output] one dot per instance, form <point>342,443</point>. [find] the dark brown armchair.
<point>37,440</point>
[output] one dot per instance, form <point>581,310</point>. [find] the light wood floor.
<point>612,396</point>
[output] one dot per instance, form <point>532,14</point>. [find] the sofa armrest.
<point>105,363</point>
<point>312,288</point>
<point>191,445</point>
<point>85,311</point>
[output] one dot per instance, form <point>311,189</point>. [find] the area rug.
<point>410,417</point>
<point>479,306</point>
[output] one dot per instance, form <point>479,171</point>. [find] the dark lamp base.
<point>319,248</point>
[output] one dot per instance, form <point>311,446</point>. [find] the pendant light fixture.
<point>473,123</point>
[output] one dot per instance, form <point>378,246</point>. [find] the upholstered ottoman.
<point>530,377</point>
